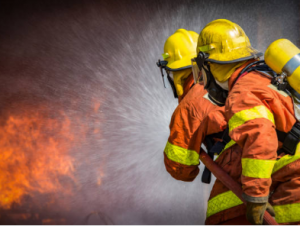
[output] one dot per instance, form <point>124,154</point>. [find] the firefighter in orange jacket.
<point>196,116</point>
<point>257,113</point>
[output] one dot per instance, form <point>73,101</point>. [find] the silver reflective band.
<point>292,65</point>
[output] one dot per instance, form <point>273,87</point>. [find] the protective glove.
<point>255,212</point>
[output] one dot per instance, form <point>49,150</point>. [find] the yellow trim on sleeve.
<point>287,159</point>
<point>257,168</point>
<point>181,155</point>
<point>228,145</point>
<point>243,116</point>
<point>222,202</point>
<point>287,213</point>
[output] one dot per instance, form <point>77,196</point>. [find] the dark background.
<point>95,62</point>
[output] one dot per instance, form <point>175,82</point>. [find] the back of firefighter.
<point>255,109</point>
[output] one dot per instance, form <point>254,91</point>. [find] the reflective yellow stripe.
<point>241,117</point>
<point>228,145</point>
<point>207,47</point>
<point>287,159</point>
<point>257,168</point>
<point>181,155</point>
<point>222,202</point>
<point>287,213</point>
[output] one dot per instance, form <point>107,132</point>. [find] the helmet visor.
<point>205,77</point>
<point>196,72</point>
<point>170,74</point>
<point>162,66</point>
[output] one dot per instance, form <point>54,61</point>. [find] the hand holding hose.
<point>255,212</point>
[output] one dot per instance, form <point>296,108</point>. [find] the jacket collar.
<point>236,73</point>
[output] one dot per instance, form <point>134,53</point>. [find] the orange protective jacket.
<point>224,207</point>
<point>254,110</point>
<point>194,118</point>
<point>223,204</point>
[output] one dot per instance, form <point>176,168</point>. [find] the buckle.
<point>161,63</point>
<point>295,131</point>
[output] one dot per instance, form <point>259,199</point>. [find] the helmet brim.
<point>184,63</point>
<point>237,55</point>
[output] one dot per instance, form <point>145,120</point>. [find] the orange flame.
<point>54,221</point>
<point>34,154</point>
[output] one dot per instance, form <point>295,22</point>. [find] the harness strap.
<point>213,148</point>
<point>290,140</point>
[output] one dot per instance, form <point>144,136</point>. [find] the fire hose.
<point>229,182</point>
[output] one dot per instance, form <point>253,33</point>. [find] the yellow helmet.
<point>179,49</point>
<point>225,42</point>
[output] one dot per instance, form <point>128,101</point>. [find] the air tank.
<point>284,58</point>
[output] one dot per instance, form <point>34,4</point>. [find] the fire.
<point>54,221</point>
<point>34,156</point>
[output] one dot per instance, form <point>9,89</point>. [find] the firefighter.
<point>256,113</point>
<point>179,49</point>
<point>181,153</point>
<point>194,118</point>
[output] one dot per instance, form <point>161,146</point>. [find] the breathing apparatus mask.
<point>201,71</point>
<point>168,77</point>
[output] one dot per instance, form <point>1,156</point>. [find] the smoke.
<point>95,60</point>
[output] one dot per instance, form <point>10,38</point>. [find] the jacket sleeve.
<point>251,126</point>
<point>181,154</point>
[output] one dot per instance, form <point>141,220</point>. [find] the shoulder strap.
<point>290,140</point>
<point>213,148</point>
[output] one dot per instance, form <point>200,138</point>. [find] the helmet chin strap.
<point>172,84</point>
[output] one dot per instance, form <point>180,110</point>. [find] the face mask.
<point>215,92</point>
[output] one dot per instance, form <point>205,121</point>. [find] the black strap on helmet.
<point>162,65</point>
<point>201,59</point>
<point>172,85</point>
